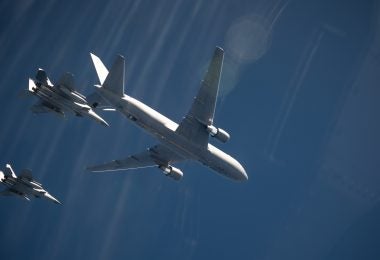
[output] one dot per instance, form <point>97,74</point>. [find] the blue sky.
<point>299,96</point>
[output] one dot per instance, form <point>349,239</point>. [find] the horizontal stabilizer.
<point>101,70</point>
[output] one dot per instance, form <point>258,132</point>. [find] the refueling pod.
<point>218,133</point>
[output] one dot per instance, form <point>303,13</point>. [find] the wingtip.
<point>94,169</point>
<point>90,168</point>
<point>121,57</point>
<point>218,48</point>
<point>93,56</point>
<point>57,201</point>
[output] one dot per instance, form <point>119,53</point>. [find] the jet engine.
<point>218,133</point>
<point>172,172</point>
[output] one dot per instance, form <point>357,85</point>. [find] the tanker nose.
<point>237,172</point>
<point>243,176</point>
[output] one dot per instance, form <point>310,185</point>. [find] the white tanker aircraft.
<point>188,140</point>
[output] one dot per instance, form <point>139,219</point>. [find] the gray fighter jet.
<point>60,98</point>
<point>188,140</point>
<point>24,185</point>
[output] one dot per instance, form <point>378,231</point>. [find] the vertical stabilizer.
<point>9,171</point>
<point>32,86</point>
<point>114,81</point>
<point>42,77</point>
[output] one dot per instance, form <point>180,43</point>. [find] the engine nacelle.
<point>218,133</point>
<point>172,172</point>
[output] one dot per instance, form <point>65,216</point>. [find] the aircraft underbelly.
<point>163,129</point>
<point>56,100</point>
<point>50,97</point>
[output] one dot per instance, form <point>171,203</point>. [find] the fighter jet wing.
<point>7,192</point>
<point>26,174</point>
<point>45,107</point>
<point>201,114</point>
<point>40,107</point>
<point>15,189</point>
<point>154,156</point>
<point>67,80</point>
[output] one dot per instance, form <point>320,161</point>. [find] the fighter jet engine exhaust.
<point>218,133</point>
<point>172,172</point>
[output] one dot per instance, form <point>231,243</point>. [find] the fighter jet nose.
<point>105,123</point>
<point>57,202</point>
<point>50,197</point>
<point>97,117</point>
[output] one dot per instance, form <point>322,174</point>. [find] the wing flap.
<point>154,156</point>
<point>201,114</point>
<point>203,107</point>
